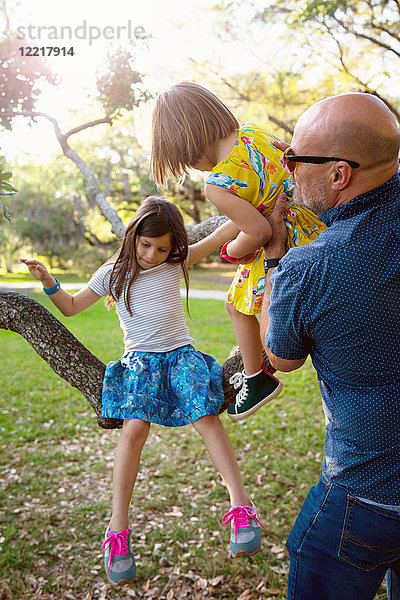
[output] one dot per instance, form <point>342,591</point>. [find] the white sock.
<point>254,374</point>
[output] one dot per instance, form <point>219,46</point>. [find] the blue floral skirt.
<point>169,388</point>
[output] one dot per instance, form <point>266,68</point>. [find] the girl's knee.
<point>229,308</point>
<point>207,421</point>
<point>233,312</point>
<point>135,431</point>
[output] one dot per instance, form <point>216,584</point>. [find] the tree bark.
<point>70,359</point>
<point>203,229</point>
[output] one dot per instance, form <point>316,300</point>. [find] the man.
<point>338,300</point>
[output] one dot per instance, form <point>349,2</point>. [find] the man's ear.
<point>341,176</point>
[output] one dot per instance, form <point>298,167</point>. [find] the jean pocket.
<point>370,535</point>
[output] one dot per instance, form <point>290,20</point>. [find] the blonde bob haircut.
<point>186,119</point>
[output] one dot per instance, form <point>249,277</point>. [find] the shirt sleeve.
<point>288,332</point>
<point>100,281</point>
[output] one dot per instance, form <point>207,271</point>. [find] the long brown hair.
<point>186,119</point>
<point>155,217</point>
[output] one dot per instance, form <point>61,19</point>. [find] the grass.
<point>204,276</point>
<point>56,469</point>
<point>22,274</point>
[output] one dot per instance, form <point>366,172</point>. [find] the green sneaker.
<point>119,562</point>
<point>256,390</point>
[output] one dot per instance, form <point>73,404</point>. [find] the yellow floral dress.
<point>254,171</point>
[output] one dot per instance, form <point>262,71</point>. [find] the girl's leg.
<point>126,466</point>
<point>247,332</point>
<point>222,454</point>
<point>245,537</point>
<point>258,387</point>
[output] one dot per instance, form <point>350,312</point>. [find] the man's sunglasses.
<point>290,160</point>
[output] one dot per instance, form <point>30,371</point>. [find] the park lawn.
<point>56,467</point>
<point>203,276</point>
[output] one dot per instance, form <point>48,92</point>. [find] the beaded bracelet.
<point>52,290</point>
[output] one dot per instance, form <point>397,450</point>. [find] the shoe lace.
<point>117,542</point>
<point>241,515</point>
<point>241,396</point>
<point>237,379</point>
<point>240,379</point>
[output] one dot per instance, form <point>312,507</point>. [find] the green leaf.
<point>5,211</point>
<point>6,189</point>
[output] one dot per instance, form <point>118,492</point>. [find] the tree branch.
<point>99,197</point>
<point>247,98</point>
<point>362,84</point>
<point>107,120</point>
<point>69,358</point>
<point>57,346</point>
<point>281,124</point>
<point>364,36</point>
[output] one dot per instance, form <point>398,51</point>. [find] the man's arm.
<point>280,364</point>
<point>275,249</point>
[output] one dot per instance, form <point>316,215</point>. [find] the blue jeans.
<point>341,548</point>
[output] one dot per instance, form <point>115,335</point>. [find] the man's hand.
<point>277,245</point>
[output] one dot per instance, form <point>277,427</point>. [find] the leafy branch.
<point>6,189</point>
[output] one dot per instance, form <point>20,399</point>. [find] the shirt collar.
<point>381,195</point>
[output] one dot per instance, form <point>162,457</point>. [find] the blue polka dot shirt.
<point>338,299</point>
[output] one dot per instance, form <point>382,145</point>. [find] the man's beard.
<point>314,197</point>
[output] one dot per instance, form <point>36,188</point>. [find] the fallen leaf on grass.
<point>275,549</point>
<point>201,583</point>
<point>246,595</point>
<point>216,581</point>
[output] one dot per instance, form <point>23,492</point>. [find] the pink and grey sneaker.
<point>245,530</point>
<point>119,562</point>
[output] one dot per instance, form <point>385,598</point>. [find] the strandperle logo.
<point>84,31</point>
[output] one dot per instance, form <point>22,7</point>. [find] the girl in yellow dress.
<point>192,128</point>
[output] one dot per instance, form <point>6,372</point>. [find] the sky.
<point>181,30</point>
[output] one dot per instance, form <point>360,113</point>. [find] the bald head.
<point>355,126</point>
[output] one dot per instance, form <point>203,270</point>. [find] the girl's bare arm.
<point>215,240</point>
<point>68,304</point>
<point>255,231</point>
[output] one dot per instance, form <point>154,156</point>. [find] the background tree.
<point>331,47</point>
<point>120,89</point>
<point>273,98</point>
<point>51,217</point>
<point>21,80</point>
<point>366,35</point>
